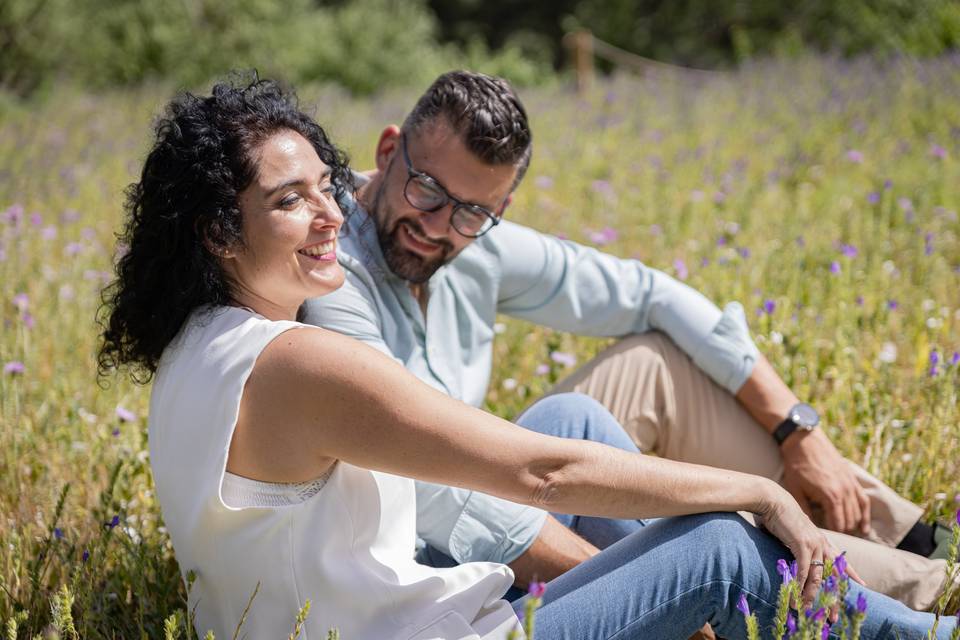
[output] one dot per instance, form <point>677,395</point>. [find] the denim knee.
<point>576,416</point>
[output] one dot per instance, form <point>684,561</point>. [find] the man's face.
<point>416,243</point>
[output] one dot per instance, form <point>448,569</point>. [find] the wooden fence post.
<point>582,44</point>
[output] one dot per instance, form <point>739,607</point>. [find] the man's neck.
<point>421,292</point>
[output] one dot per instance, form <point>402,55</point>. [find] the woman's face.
<point>290,222</point>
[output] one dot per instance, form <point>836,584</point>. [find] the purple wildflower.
<point>604,188</point>
<point>855,156</point>
<point>719,197</point>
<point>116,432</point>
<point>681,268</point>
<point>849,250</point>
<point>744,252</point>
<point>955,358</point>
<point>21,301</point>
<point>49,232</point>
<point>825,632</point>
<point>543,182</point>
<point>830,584</point>
<point>934,356</point>
<point>861,603</point>
<point>791,624</point>
<point>887,184</point>
<point>769,306</point>
<point>892,305</point>
<point>859,301</point>
<point>817,615</point>
<point>114,521</point>
<point>85,556</point>
<point>873,197</point>
<point>542,369</point>
<point>742,605</point>
<point>834,267</point>
<point>14,368</point>
<point>794,568</point>
<point>27,318</point>
<point>125,415</point>
<point>73,248</point>
<point>58,533</point>
<point>36,219</point>
<point>561,357</point>
<point>783,568</point>
<point>938,152</point>
<point>957,517</point>
<point>905,204</point>
<point>537,589</point>
<point>840,564</point>
<point>603,237</point>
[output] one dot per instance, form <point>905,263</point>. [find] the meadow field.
<point>821,194</point>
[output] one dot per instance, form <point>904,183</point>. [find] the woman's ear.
<point>207,233</point>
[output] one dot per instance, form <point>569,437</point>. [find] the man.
<point>429,263</point>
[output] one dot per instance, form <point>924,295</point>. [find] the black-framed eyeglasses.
<point>423,192</point>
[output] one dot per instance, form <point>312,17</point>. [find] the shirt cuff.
<point>728,355</point>
<point>493,530</point>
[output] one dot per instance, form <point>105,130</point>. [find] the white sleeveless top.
<point>348,548</point>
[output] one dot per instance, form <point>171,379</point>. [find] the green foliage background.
<point>369,45</point>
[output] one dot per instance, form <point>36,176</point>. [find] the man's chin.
<point>409,266</point>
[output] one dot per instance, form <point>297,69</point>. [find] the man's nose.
<point>436,224</point>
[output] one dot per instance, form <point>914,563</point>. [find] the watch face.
<point>805,416</point>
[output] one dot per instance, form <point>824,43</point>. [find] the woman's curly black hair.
<point>185,208</point>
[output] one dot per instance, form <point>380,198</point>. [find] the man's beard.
<point>404,263</point>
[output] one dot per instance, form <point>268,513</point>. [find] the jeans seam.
<point>681,594</point>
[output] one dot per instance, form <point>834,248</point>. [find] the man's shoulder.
<point>504,242</point>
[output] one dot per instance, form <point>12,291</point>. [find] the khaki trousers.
<point>669,407</point>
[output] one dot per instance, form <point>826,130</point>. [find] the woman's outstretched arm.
<point>315,396</point>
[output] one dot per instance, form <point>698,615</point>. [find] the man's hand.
<point>814,471</point>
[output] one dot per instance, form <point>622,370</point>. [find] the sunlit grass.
<point>820,194</point>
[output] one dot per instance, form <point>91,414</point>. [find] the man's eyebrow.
<point>297,181</point>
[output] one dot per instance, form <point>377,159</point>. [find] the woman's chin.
<point>326,280</point>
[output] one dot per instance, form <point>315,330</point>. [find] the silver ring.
<point>816,563</point>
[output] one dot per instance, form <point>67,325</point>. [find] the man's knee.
<point>569,415</point>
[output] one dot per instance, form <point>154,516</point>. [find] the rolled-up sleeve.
<point>470,526</point>
<point>574,288</point>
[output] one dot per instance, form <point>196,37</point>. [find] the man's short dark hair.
<point>485,111</point>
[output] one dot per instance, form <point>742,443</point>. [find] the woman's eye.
<point>290,200</point>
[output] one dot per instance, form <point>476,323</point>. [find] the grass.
<point>819,193</point>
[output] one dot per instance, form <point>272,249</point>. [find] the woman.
<point>282,452</point>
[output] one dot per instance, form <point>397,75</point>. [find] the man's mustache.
<point>442,242</point>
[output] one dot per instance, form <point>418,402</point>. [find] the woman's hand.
<point>784,518</point>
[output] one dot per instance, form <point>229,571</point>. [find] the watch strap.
<point>784,429</point>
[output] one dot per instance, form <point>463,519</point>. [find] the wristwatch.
<point>802,416</point>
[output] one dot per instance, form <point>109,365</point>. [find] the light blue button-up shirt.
<point>517,271</point>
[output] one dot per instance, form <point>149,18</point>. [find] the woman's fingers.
<point>814,579</point>
<point>855,576</point>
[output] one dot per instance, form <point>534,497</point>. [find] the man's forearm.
<point>765,396</point>
<point>556,550</point>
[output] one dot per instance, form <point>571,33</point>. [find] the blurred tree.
<point>711,32</point>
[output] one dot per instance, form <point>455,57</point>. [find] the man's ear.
<point>388,145</point>
<point>506,203</point>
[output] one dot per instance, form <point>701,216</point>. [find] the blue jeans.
<point>663,579</point>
